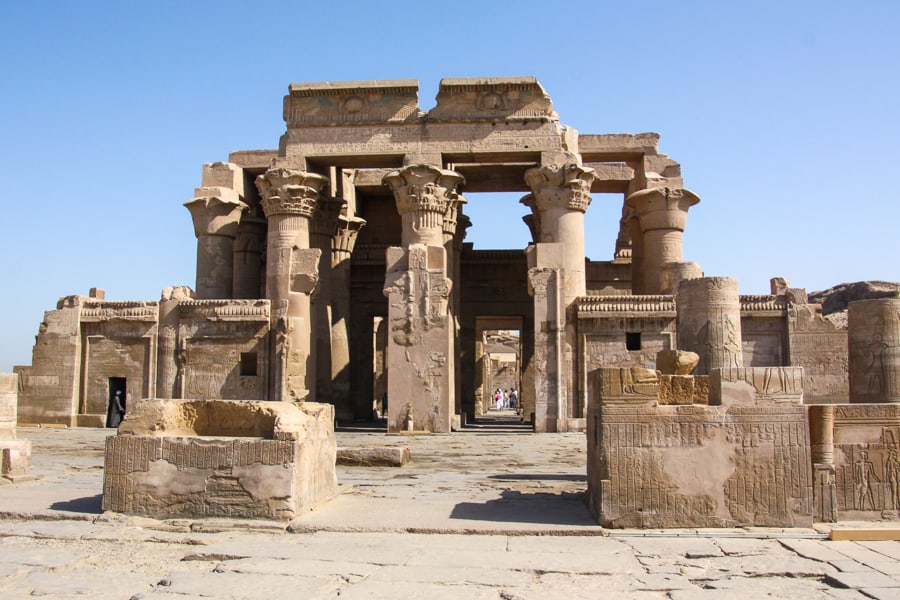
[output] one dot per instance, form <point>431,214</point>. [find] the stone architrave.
<point>421,332</point>
<point>15,454</point>
<point>561,194</point>
<point>216,213</point>
<point>661,214</point>
<point>546,283</point>
<point>709,322</point>
<point>873,330</point>
<point>289,199</point>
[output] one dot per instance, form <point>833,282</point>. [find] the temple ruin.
<point>335,269</point>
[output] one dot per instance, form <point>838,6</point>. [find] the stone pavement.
<point>485,513</point>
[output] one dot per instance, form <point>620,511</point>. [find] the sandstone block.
<point>221,458</point>
<point>676,362</point>
<point>373,457</point>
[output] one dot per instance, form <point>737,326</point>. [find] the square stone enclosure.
<point>221,458</point>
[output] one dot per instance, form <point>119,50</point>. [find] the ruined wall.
<point>744,459</point>
<point>222,349</point>
<point>815,344</point>
<point>866,463</point>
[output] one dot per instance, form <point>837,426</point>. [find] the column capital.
<point>424,195</point>
<point>215,211</point>
<point>662,208</point>
<point>324,220</point>
<point>422,187</point>
<point>290,191</point>
<point>343,243</point>
<point>566,186</point>
<point>453,213</point>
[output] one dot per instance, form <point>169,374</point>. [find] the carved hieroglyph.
<point>746,462</point>
<point>874,344</point>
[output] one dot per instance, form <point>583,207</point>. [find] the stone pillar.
<point>672,273</point>
<point>15,454</point>
<point>637,249</point>
<point>323,229</point>
<point>421,330</point>
<point>480,375</point>
<point>248,251</point>
<point>821,438</point>
<point>561,195</point>
<point>216,213</point>
<point>661,215</point>
<point>341,249</point>
<point>873,338</point>
<point>168,363</point>
<point>546,283</point>
<point>289,198</point>
<point>453,219</point>
<point>709,322</point>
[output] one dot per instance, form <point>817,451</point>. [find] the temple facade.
<point>335,269</point>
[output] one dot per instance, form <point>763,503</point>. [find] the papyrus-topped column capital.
<point>422,187</point>
<point>215,211</point>
<point>290,191</point>
<point>662,208</point>
<point>424,195</point>
<point>566,186</point>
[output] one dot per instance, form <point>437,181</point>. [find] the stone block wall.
<point>15,454</point>
<point>743,459</point>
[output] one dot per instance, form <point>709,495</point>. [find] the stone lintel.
<point>253,159</point>
<point>351,103</point>
<point>617,146</point>
<point>491,99</point>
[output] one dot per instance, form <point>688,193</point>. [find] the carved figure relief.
<point>863,476</point>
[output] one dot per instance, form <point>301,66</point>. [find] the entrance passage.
<point>116,401</point>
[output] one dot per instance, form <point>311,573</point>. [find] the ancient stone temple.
<point>334,268</point>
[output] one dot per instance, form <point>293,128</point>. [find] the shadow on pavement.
<point>566,508</point>
<point>88,504</point>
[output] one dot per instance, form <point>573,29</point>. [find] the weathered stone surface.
<point>395,456</point>
<point>15,455</point>
<point>180,458</point>
<point>676,362</point>
<point>874,342</point>
<point>743,463</point>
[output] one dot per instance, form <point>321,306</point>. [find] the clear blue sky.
<point>783,115</point>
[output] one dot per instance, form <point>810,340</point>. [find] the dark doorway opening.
<point>113,413</point>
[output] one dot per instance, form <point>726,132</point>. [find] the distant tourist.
<point>116,410</point>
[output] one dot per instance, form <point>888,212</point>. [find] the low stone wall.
<point>221,458</point>
<point>660,454</point>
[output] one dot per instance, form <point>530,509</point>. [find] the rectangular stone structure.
<point>866,463</point>
<point>235,459</point>
<point>743,463</point>
<point>15,454</point>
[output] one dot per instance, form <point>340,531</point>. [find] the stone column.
<point>561,195</point>
<point>341,249</point>
<point>709,322</point>
<point>547,381</point>
<point>661,214</point>
<point>421,330</point>
<point>672,273</point>
<point>168,354</point>
<point>873,338</point>
<point>289,198</point>
<point>452,246</point>
<point>248,251</point>
<point>323,229</point>
<point>821,438</point>
<point>216,213</point>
